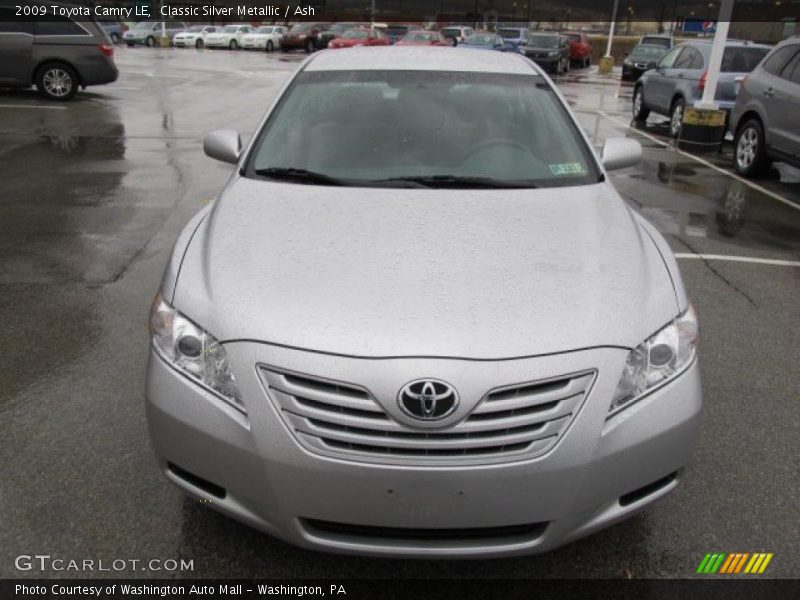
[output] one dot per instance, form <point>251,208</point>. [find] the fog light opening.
<point>203,484</point>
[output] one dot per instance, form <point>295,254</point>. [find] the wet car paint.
<point>94,196</point>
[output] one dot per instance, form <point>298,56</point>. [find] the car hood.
<point>424,272</point>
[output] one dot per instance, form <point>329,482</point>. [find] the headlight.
<point>659,358</point>
<point>192,350</point>
<point>554,53</point>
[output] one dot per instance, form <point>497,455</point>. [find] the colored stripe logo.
<point>734,563</point>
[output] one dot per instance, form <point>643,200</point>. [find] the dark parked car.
<point>303,36</point>
<point>642,58</point>
<point>336,30</point>
<point>549,50</point>
<point>580,50</point>
<point>680,78</point>
<point>766,117</point>
<point>57,56</point>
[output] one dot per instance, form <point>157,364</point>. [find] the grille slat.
<point>345,420</point>
<point>423,441</point>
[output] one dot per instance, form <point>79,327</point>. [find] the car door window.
<point>779,58</point>
<point>690,58</point>
<point>58,26</point>
<point>9,23</point>
<point>791,72</point>
<point>669,58</point>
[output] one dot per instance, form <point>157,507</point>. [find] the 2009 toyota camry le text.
<point>420,321</point>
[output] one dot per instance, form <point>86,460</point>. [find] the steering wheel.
<point>494,142</point>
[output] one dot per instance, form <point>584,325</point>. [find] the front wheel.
<point>676,117</point>
<point>750,156</point>
<point>199,44</point>
<point>150,41</point>
<point>640,111</point>
<point>57,81</point>
<point>309,46</point>
<point>270,46</point>
<point>233,45</point>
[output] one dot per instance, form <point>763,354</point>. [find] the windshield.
<point>355,34</point>
<point>647,52</point>
<point>341,27</point>
<point>229,29</point>
<point>264,30</point>
<point>421,36</point>
<point>451,31</point>
<point>573,37</point>
<point>421,129</point>
<point>302,28</point>
<point>195,28</point>
<point>658,41</point>
<point>509,33</point>
<point>480,40</point>
<point>143,25</point>
<point>543,41</point>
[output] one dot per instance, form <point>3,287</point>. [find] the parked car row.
<point>758,88</point>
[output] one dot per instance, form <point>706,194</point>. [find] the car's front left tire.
<point>233,45</point>
<point>199,44</point>
<point>270,46</point>
<point>57,81</point>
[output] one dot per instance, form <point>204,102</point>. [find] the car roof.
<point>728,44</point>
<point>409,58</point>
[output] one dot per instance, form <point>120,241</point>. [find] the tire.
<point>676,117</point>
<point>640,110</point>
<point>749,150</point>
<point>233,45</point>
<point>270,46</point>
<point>130,44</point>
<point>199,44</point>
<point>57,81</point>
<point>150,41</point>
<point>309,46</point>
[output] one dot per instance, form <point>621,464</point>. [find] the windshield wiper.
<point>461,182</point>
<point>299,175</point>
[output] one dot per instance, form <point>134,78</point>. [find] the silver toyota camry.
<point>420,321</point>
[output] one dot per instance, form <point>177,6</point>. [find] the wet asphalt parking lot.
<point>92,196</point>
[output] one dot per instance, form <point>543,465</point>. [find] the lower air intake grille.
<point>527,531</point>
<point>509,423</point>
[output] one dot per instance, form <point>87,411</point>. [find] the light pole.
<point>607,61</point>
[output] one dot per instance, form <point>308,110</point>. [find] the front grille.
<point>510,533</point>
<point>344,419</point>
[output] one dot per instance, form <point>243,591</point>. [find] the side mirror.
<point>621,152</point>
<point>224,145</point>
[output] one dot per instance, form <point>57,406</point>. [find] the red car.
<point>580,50</point>
<point>303,36</point>
<point>359,37</point>
<point>422,37</point>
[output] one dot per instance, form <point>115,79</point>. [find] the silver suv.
<point>680,77</point>
<point>58,55</point>
<point>765,119</point>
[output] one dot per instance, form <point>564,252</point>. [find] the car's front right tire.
<point>640,110</point>
<point>750,155</point>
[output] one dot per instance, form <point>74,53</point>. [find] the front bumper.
<point>255,470</point>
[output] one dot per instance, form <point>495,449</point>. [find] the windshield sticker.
<point>567,169</point>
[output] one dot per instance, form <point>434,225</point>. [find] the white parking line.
<point>744,259</point>
<point>746,182</point>
<point>33,106</point>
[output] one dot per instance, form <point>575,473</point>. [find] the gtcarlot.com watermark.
<point>48,563</point>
